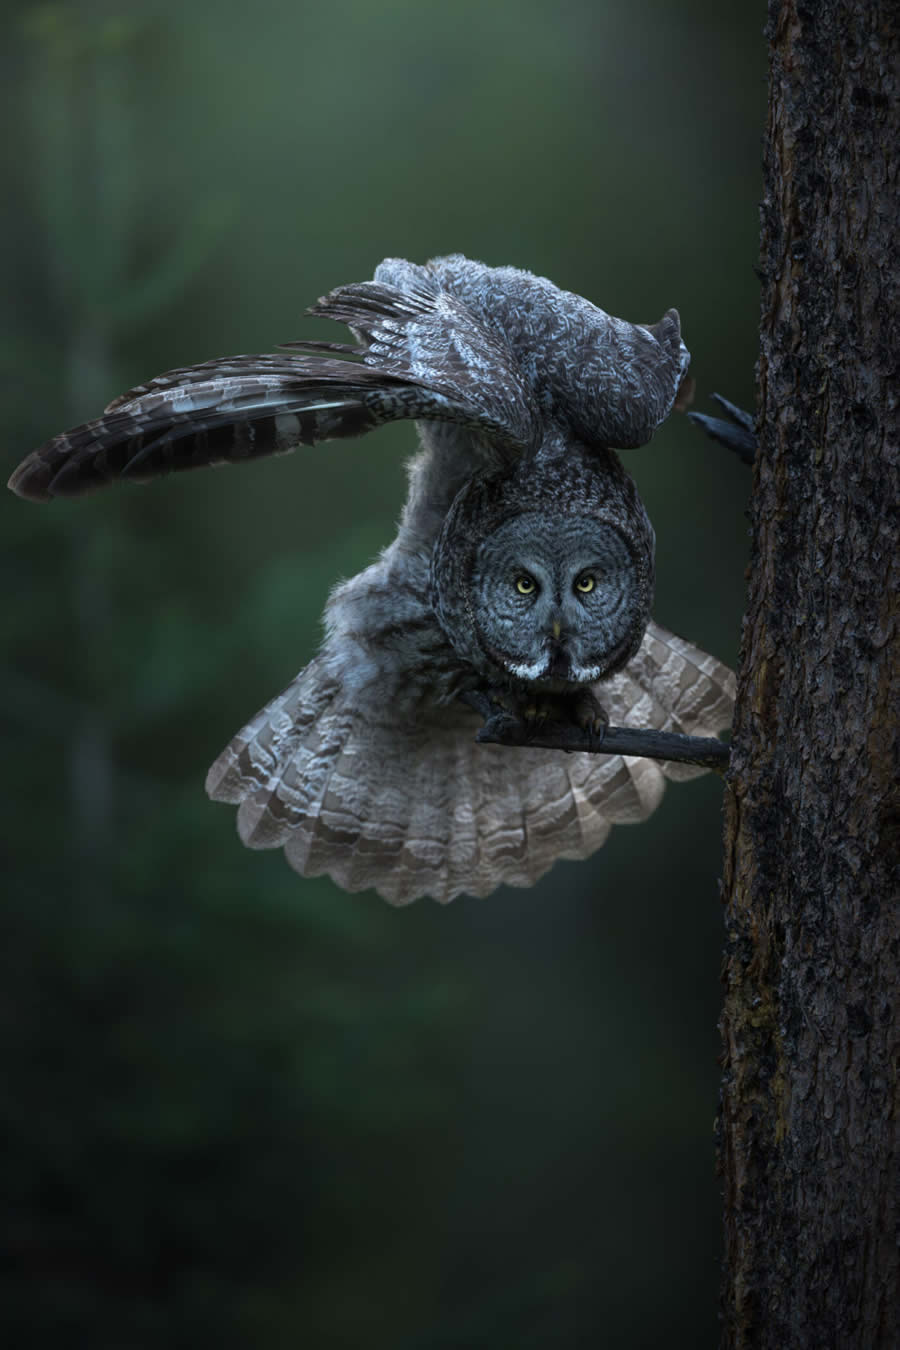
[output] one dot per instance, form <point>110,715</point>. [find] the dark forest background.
<point>238,1107</point>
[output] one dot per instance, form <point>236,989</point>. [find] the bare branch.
<point>502,727</point>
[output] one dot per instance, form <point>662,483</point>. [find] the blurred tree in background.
<point>238,1105</point>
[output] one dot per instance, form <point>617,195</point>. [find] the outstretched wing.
<point>424,358</point>
<point>425,334</point>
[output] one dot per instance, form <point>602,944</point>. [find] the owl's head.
<point>545,574</point>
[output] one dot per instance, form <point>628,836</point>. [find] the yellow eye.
<point>585,584</point>
<point>525,585</point>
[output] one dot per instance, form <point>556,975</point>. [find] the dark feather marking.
<point>313,345</point>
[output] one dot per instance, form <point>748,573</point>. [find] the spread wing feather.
<point>428,335</point>
<point>425,357</point>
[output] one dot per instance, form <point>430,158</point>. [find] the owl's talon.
<point>505,702</point>
<point>541,711</point>
<point>589,712</point>
<point>534,710</point>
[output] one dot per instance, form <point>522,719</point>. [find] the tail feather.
<point>266,742</point>
<point>365,816</point>
<point>350,791</point>
<point>672,685</point>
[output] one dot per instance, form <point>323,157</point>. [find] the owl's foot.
<point>539,709</point>
<point>589,712</point>
<point>534,710</point>
<point>738,432</point>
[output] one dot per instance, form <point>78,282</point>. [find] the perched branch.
<point>502,727</point>
<point>738,433</point>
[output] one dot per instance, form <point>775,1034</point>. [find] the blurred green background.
<point>239,1107</point>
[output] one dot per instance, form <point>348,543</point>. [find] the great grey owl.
<point>523,566</point>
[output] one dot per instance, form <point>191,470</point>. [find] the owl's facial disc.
<point>558,602</point>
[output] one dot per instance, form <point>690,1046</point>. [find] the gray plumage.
<point>523,565</point>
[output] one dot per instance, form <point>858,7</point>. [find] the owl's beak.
<point>555,631</point>
<point>559,656</point>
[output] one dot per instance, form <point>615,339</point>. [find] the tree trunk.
<point>808,1127</point>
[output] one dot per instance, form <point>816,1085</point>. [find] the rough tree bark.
<point>808,1126</point>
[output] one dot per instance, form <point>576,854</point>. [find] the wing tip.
<point>32,480</point>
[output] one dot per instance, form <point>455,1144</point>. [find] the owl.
<point>522,568</point>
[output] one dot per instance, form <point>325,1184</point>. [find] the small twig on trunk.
<point>738,433</point>
<point>503,728</point>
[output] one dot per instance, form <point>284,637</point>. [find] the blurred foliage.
<point>237,1106</point>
